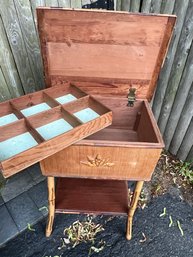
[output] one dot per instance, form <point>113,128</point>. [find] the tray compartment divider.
<point>9,114</point>
<point>66,94</point>
<point>17,112</point>
<point>7,131</point>
<point>17,140</point>
<point>86,109</point>
<point>34,103</point>
<point>34,132</point>
<point>41,132</point>
<point>53,122</point>
<point>50,100</point>
<point>70,118</point>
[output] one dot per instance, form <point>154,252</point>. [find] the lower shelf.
<point>92,196</point>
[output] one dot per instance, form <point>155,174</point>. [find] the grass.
<point>177,167</point>
<point>186,171</point>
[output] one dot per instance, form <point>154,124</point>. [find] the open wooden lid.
<point>108,51</point>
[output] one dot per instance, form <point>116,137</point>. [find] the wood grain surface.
<point>135,5</point>
<point>109,89</point>
<point>180,9</point>
<point>8,66</point>
<point>46,148</point>
<point>17,44</point>
<point>179,63</point>
<point>12,71</point>
<point>91,196</point>
<point>161,56</point>
<point>146,5</point>
<point>125,163</point>
<point>52,3</point>
<point>4,89</point>
<point>126,62</point>
<point>125,41</point>
<point>27,26</point>
<point>128,149</point>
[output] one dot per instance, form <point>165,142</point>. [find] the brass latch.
<point>131,97</point>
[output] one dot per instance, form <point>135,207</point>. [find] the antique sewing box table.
<point>92,127</point>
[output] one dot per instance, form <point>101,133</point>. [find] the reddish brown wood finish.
<point>161,55</point>
<point>107,88</point>
<point>91,196</point>
<point>103,61</point>
<point>116,49</point>
<point>105,53</point>
<point>8,108</point>
<point>132,144</point>
<point>115,163</point>
<point>46,148</point>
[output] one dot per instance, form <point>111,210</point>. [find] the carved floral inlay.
<point>97,161</point>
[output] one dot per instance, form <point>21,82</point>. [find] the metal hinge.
<point>131,97</point>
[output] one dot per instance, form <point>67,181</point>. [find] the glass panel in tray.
<point>34,103</point>
<point>17,140</point>
<point>53,123</point>
<point>86,109</point>
<point>35,126</point>
<point>65,94</point>
<point>8,114</point>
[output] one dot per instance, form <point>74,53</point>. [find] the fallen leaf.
<point>144,238</point>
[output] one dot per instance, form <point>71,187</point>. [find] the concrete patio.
<point>21,202</point>
<point>160,239</point>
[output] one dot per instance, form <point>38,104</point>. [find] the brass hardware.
<point>131,97</point>
<point>97,161</point>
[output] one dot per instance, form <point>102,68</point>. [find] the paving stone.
<point>151,234</point>
<point>35,173</point>
<point>23,211</point>
<point>1,200</point>
<point>8,228</point>
<point>39,195</point>
<point>16,185</point>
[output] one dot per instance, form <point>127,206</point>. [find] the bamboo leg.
<point>51,205</point>
<point>132,208</point>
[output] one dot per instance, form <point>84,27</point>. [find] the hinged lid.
<point>113,51</point>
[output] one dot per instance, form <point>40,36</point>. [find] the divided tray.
<point>37,125</point>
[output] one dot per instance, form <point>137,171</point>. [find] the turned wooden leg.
<point>51,205</point>
<point>132,208</point>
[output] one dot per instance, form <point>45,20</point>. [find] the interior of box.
<point>106,54</point>
<point>130,124</point>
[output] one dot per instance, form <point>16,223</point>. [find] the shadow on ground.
<point>161,240</point>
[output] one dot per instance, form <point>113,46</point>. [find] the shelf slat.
<point>91,196</point>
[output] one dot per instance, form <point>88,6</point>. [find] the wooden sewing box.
<point>112,59</point>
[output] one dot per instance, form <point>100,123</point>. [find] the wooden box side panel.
<point>147,128</point>
<point>113,48</point>
<point>102,162</point>
<point>50,147</point>
<point>107,88</point>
